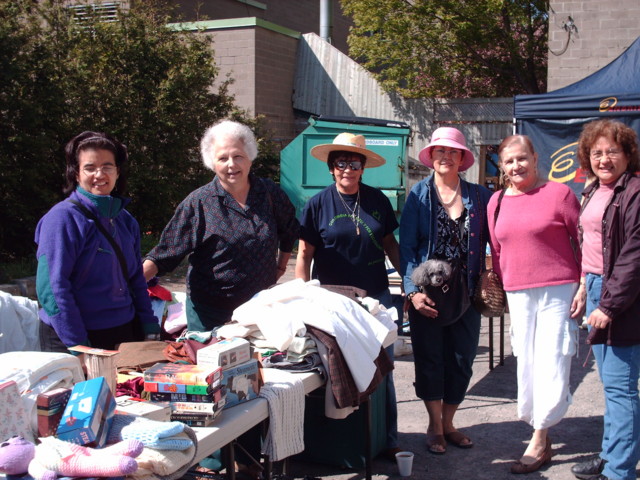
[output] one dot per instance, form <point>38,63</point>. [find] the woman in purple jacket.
<point>610,237</point>
<point>86,297</point>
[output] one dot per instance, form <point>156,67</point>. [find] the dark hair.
<point>331,158</point>
<point>94,141</point>
<point>613,130</point>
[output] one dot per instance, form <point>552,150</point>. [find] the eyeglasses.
<point>438,153</point>
<point>613,153</point>
<point>352,165</point>
<point>106,169</point>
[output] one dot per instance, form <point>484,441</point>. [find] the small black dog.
<point>431,273</point>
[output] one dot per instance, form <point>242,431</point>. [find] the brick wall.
<point>605,30</point>
<point>262,64</point>
<point>275,69</point>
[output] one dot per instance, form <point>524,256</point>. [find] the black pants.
<point>108,338</point>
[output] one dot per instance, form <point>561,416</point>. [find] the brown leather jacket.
<point>620,298</point>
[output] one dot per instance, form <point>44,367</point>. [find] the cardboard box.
<point>242,382</point>
<point>160,411</point>
<point>51,406</point>
<point>225,353</point>
<point>87,417</point>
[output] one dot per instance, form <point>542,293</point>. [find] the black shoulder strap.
<point>116,248</point>
<point>495,214</point>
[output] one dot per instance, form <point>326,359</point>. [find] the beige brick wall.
<point>275,70</point>
<point>262,64</point>
<point>605,30</point>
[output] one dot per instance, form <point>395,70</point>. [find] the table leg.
<point>490,343</point>
<point>502,340</point>
<point>230,455</point>
<point>367,439</point>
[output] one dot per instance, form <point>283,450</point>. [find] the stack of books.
<point>194,392</point>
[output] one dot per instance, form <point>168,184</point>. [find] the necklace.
<point>453,199</point>
<point>355,217</point>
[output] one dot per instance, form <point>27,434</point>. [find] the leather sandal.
<point>545,457</point>
<point>458,439</point>
<point>435,440</point>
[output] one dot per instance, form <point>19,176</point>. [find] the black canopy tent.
<point>554,120</point>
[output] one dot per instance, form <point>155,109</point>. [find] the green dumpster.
<point>302,176</point>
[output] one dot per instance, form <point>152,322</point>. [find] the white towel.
<point>285,396</point>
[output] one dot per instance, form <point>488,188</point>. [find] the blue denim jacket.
<point>418,229</point>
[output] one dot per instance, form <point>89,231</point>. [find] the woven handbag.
<point>489,297</point>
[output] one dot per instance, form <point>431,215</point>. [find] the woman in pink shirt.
<point>533,226</point>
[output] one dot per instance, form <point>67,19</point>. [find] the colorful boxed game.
<point>88,414</point>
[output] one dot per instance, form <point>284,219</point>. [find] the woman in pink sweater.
<point>534,242</point>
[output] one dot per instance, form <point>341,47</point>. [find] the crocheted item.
<point>56,457</point>
<point>153,434</point>
<point>167,464</point>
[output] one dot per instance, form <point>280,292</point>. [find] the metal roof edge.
<point>208,25</point>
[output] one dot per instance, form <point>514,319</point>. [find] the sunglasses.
<point>352,165</point>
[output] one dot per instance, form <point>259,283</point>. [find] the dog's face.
<point>431,272</point>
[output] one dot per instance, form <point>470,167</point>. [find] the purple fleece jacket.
<point>80,283</point>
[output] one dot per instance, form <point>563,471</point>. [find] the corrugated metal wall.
<point>327,82</point>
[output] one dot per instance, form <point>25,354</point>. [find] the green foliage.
<point>452,48</point>
<point>148,86</point>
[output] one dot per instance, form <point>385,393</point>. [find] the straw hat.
<point>447,137</point>
<point>348,142</point>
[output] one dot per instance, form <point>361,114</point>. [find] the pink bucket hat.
<point>447,137</point>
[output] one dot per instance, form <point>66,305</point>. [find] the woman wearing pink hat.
<point>346,230</point>
<point>444,217</point>
<point>534,243</point>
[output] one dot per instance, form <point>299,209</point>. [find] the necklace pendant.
<point>357,230</point>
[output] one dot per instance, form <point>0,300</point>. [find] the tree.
<point>452,48</point>
<point>134,78</point>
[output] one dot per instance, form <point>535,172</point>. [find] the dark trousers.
<point>108,338</point>
<point>443,356</point>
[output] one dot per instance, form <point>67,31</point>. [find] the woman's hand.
<point>579,302</point>
<point>423,304</point>
<point>599,319</point>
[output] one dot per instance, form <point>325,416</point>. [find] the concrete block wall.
<point>262,64</point>
<point>235,56</point>
<point>605,30</point>
<point>275,70</point>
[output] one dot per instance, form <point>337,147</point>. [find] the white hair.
<point>227,128</point>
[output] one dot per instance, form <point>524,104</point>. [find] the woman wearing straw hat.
<point>444,217</point>
<point>346,230</point>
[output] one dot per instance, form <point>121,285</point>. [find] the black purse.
<point>451,298</point>
<point>138,331</point>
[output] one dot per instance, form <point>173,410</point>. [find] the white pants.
<point>543,338</point>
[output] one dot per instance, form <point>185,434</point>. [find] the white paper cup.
<point>405,463</point>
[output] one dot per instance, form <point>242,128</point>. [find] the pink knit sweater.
<point>535,241</point>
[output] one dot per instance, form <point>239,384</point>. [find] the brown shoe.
<point>544,458</point>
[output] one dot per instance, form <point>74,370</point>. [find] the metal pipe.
<point>326,25</point>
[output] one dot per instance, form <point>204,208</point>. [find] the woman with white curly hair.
<point>238,230</point>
